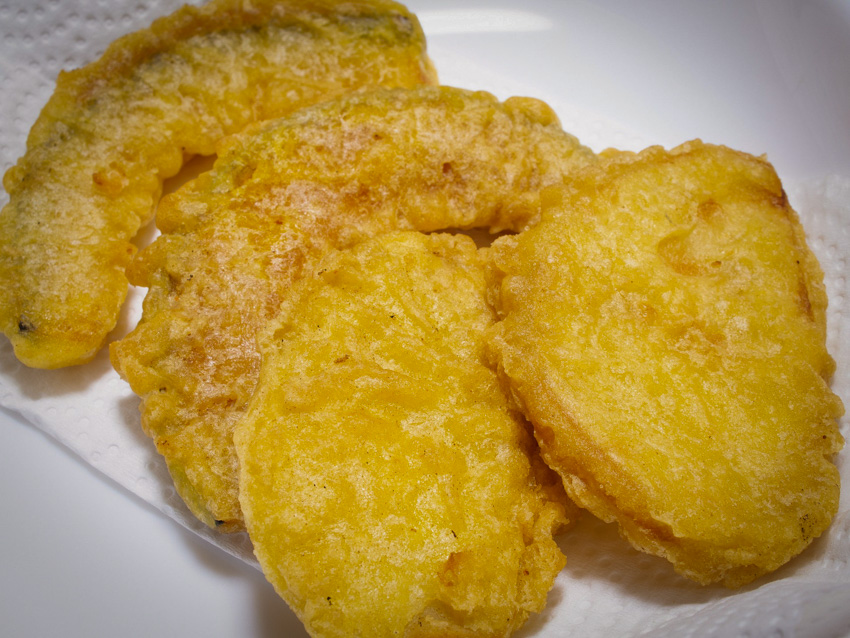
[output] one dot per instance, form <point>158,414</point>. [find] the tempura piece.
<point>113,130</point>
<point>388,486</point>
<point>664,327</point>
<point>235,239</point>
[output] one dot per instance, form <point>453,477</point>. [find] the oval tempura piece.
<point>235,240</point>
<point>388,487</point>
<point>664,327</point>
<point>115,129</point>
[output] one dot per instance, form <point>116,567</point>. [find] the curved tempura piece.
<point>389,489</point>
<point>235,239</point>
<point>664,328</point>
<point>113,130</point>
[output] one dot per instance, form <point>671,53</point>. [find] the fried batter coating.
<point>388,486</point>
<point>113,130</point>
<point>664,327</point>
<point>327,177</point>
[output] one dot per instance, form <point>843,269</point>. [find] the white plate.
<point>83,556</point>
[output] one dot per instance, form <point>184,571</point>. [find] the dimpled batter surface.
<point>664,329</point>
<point>235,239</point>
<point>388,487</point>
<point>113,130</point>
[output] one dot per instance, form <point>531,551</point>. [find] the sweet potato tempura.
<point>113,130</point>
<point>389,489</point>
<point>235,239</point>
<point>664,327</point>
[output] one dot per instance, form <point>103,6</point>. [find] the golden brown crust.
<point>388,487</point>
<point>113,130</point>
<point>328,177</point>
<point>664,328</point>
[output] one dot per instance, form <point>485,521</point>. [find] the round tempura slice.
<point>664,328</point>
<point>113,130</point>
<point>388,486</point>
<point>235,239</point>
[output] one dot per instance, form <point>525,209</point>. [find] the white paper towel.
<point>607,584</point>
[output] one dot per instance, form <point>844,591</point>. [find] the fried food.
<point>235,239</point>
<point>388,486</point>
<point>664,328</point>
<point>113,130</point>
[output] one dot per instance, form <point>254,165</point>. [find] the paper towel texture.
<point>606,584</point>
